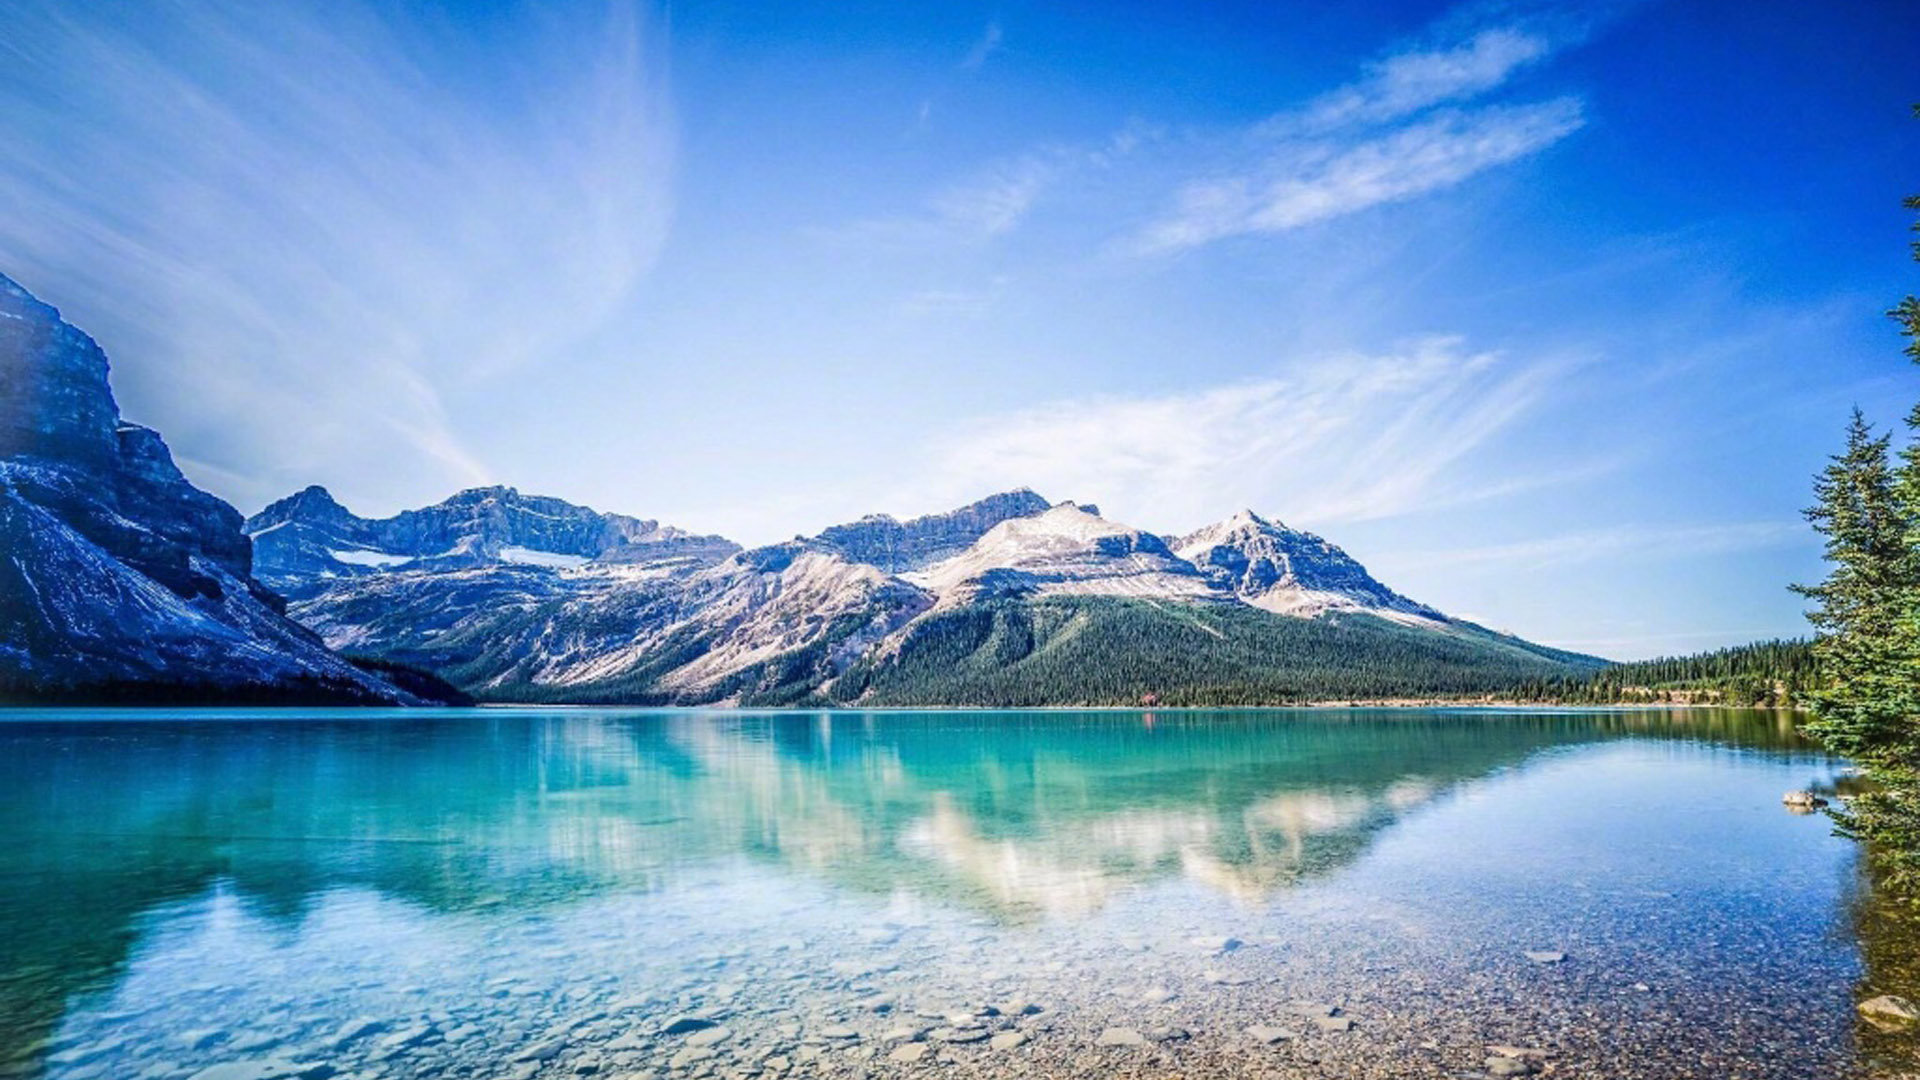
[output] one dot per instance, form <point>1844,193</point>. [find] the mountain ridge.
<point>121,580</point>
<point>818,618</point>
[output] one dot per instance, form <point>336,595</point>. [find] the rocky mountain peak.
<point>1289,571</point>
<point>904,546</point>
<point>56,403</point>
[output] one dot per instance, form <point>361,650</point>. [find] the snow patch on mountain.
<point>364,557</point>
<point>534,557</point>
<point>1066,551</point>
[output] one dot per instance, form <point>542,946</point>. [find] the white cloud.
<point>1409,81</point>
<point>1348,438</point>
<point>1319,182</point>
<point>1381,139</point>
<point>983,49</point>
<point>303,212</point>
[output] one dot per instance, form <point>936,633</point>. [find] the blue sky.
<point>1545,312</point>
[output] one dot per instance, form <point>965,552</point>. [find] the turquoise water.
<point>542,892</point>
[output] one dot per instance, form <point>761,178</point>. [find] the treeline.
<point>1766,674</point>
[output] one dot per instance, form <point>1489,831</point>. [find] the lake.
<point>631,893</point>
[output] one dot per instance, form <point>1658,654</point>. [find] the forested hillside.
<point>1100,651</point>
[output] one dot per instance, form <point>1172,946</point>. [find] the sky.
<point>1545,312</point>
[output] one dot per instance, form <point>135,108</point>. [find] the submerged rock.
<point>1802,801</point>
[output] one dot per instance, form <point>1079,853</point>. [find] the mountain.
<point>123,581</point>
<point>1009,600</point>
<point>1289,572</point>
<point>695,620</point>
<point>307,538</point>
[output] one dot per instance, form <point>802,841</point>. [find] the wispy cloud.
<point>983,49</point>
<point>1413,79</point>
<point>303,212</point>
<point>1320,182</point>
<point>1641,543</point>
<point>994,201</point>
<point>1401,130</point>
<point>996,198</point>
<point>1347,438</point>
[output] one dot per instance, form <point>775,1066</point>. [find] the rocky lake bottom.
<point>626,894</point>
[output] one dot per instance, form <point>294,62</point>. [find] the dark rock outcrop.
<point>901,546</point>
<point>121,580</point>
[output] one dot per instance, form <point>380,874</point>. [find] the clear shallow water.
<point>540,893</point>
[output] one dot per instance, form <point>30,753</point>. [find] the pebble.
<point>1269,1034</point>
<point>909,1053</point>
<point>1545,957</point>
<point>691,1055</point>
<point>1889,1010</point>
<point>1008,1040</point>
<point>264,1069</point>
<point>1119,1036</point>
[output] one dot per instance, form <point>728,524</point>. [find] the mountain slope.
<point>120,580</point>
<point>1077,650</point>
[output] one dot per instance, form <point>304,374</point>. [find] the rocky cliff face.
<point>121,579</point>
<point>901,546</point>
<point>1290,572</point>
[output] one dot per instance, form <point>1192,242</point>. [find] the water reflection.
<point>1021,818</point>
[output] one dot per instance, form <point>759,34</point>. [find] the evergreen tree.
<point>1864,710</point>
<point>1868,616</point>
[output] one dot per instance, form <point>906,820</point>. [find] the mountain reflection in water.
<point>1020,818</point>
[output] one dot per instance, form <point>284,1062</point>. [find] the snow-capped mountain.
<point>1290,572</point>
<point>858,611</point>
<point>1067,550</point>
<point>122,581</point>
<point>308,538</point>
<point>700,628</point>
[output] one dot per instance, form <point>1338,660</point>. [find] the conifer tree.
<point>1867,707</point>
<point>1864,710</point>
